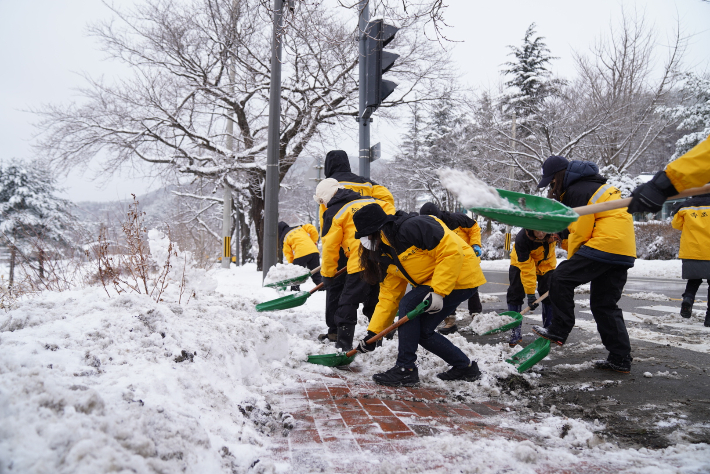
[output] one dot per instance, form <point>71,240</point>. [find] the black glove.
<point>531,302</point>
<point>327,281</point>
<point>649,197</point>
<point>364,347</point>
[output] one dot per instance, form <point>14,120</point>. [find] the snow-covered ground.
<point>91,383</point>
<point>641,269</point>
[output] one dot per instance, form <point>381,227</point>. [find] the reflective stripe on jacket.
<point>300,241</point>
<point>532,258</point>
<point>432,255</point>
<point>694,222</point>
<point>339,230</point>
<point>692,169</point>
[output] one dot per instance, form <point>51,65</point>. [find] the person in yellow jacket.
<point>532,264</point>
<point>601,248</point>
<point>470,232</point>
<point>692,217</point>
<point>442,268</point>
<point>689,171</point>
<point>299,247</point>
<point>339,239</point>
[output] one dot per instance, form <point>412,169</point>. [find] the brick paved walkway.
<point>343,414</point>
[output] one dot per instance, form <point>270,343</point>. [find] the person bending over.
<point>424,252</point>
<point>299,248</point>
<point>601,248</point>
<point>470,232</point>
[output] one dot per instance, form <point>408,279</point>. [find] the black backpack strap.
<point>395,260</point>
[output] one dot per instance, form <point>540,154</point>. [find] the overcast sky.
<point>44,49</point>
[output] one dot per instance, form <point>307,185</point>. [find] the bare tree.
<point>197,63</point>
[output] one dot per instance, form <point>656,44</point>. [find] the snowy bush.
<point>656,240</point>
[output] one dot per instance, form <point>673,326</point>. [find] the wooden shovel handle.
<point>542,297</point>
<point>320,285</point>
<point>315,270</point>
<point>619,203</point>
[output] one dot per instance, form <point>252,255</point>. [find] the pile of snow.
<point>583,289</point>
<point>471,191</point>
<point>488,298</point>
<point>485,322</point>
<point>656,268</point>
<point>649,296</point>
<point>287,271</point>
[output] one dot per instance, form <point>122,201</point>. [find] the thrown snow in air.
<point>471,191</point>
<point>287,271</point>
<point>485,322</point>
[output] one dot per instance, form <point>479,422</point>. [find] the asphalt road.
<point>664,400</point>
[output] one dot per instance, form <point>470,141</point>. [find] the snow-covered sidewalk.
<point>93,384</point>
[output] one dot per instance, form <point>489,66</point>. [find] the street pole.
<point>227,207</point>
<point>363,128</point>
<point>271,204</point>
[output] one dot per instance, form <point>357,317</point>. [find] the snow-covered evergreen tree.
<point>694,115</point>
<point>30,212</point>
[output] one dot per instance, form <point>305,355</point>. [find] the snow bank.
<point>484,322</point>
<point>471,191</point>
<point>649,296</point>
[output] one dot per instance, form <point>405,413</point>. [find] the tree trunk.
<point>257,217</point>
<point>13,255</point>
<point>40,258</point>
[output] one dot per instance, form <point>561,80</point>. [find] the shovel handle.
<point>320,285</point>
<point>542,297</point>
<point>315,270</point>
<point>619,203</point>
<point>411,315</point>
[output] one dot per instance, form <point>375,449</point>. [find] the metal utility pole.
<point>363,128</point>
<point>227,206</point>
<point>271,205</point>
<point>511,176</point>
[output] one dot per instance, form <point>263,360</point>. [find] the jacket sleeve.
<point>392,289</point>
<point>311,231</point>
<point>474,235</point>
<point>692,169</point>
<point>678,220</point>
<point>288,250</point>
<point>528,273</point>
<point>449,258</point>
<point>382,193</point>
<point>580,233</point>
<point>332,242</point>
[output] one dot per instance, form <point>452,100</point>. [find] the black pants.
<point>691,288</point>
<point>516,292</point>
<point>607,283</point>
<point>354,291</point>
<point>332,295</point>
<point>474,303</point>
<point>310,261</point>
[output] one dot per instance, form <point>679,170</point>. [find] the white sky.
<point>44,48</point>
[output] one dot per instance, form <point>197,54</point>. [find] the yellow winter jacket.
<point>606,236</point>
<point>432,255</point>
<point>532,258</point>
<point>366,189</point>
<point>339,230</point>
<point>692,169</point>
<point>694,221</point>
<point>300,242</point>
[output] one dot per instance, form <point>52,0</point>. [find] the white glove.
<point>437,302</point>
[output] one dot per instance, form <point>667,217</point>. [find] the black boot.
<point>346,332</point>
<point>616,363</point>
<point>469,373</point>
<point>328,337</point>
<point>550,336</point>
<point>398,377</point>
<point>686,307</point>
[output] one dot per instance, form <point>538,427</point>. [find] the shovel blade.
<point>513,314</point>
<point>331,360</point>
<point>532,212</point>
<point>531,355</point>
<point>285,302</point>
<point>289,281</point>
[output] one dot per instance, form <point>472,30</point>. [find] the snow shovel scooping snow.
<point>291,301</point>
<point>548,215</point>
<point>518,318</point>
<point>345,358</point>
<point>531,355</point>
<point>293,281</point>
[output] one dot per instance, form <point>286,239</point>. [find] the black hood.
<point>283,230</point>
<point>582,170</point>
<point>695,201</point>
<point>429,209</point>
<point>336,161</point>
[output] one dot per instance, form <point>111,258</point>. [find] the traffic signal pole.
<point>363,123</point>
<point>271,204</point>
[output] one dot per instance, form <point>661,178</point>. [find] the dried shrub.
<point>656,240</point>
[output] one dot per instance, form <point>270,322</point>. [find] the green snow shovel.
<point>291,301</point>
<point>548,215</point>
<point>293,281</point>
<point>345,358</point>
<point>531,355</point>
<point>518,317</point>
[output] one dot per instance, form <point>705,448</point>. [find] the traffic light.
<point>378,62</point>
